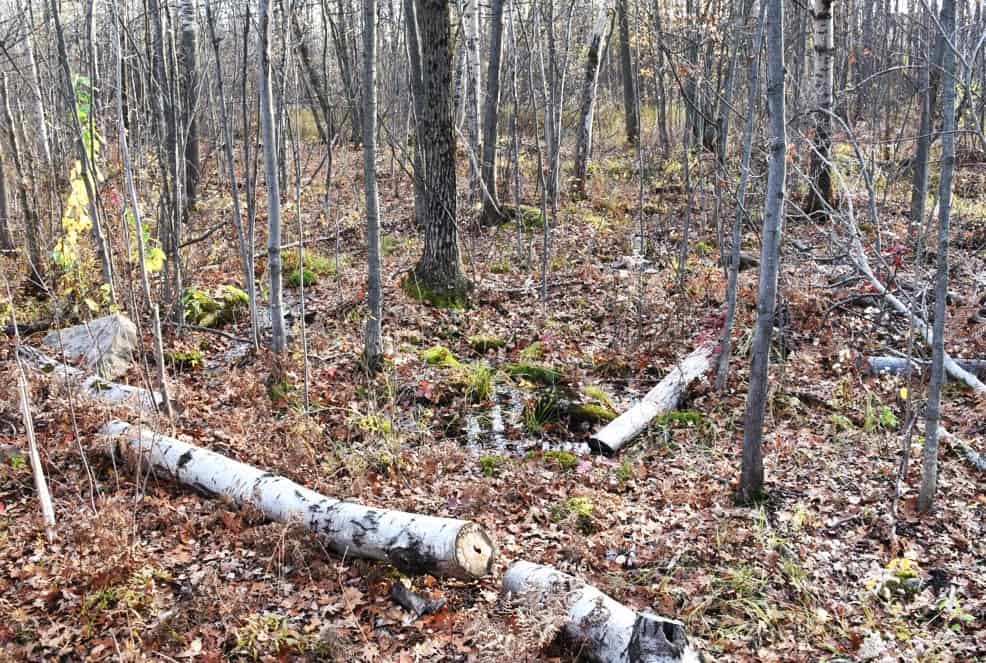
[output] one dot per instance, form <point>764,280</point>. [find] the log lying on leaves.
<point>898,365</point>
<point>91,386</point>
<point>413,543</point>
<point>662,398</point>
<point>608,631</point>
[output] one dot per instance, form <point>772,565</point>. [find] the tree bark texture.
<point>590,84</point>
<point>820,193</point>
<point>413,543</point>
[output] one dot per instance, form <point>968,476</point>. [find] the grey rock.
<point>105,345</point>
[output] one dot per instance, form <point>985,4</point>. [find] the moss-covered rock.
<point>589,413</point>
<point>485,343</point>
<point>439,355</point>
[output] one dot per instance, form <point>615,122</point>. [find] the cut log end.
<point>658,640</point>
<point>474,551</point>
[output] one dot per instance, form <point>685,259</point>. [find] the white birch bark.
<point>662,398</point>
<point>608,631</point>
<point>411,542</point>
<point>34,78</point>
<point>92,387</point>
<point>37,469</point>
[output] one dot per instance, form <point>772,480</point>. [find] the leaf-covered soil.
<point>822,570</point>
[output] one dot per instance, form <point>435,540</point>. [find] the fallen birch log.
<point>91,386</point>
<point>973,457</point>
<point>898,365</point>
<point>608,631</point>
<point>662,398</point>
<point>413,543</point>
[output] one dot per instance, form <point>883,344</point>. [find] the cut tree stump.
<point>606,630</point>
<point>92,387</point>
<point>662,398</point>
<point>897,365</point>
<point>414,543</point>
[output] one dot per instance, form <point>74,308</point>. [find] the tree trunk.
<point>659,400</point>
<point>6,240</point>
<point>929,92</point>
<point>605,630</point>
<point>189,92</point>
<point>278,333</point>
<point>373,341</point>
<point>246,250</point>
<point>491,117</point>
<point>626,70</point>
<point>438,276</point>
<point>929,473</point>
<point>92,387</point>
<point>32,228</point>
<point>820,195</point>
<point>878,365</point>
<point>34,83</point>
<point>413,543</point>
<point>85,156</point>
<point>469,12</point>
<point>597,45</point>
<point>751,480</point>
<point>326,127</point>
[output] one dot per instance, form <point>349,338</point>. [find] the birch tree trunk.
<point>751,479</point>
<point>820,195</point>
<point>6,240</point>
<point>373,340</point>
<point>278,333</point>
<point>188,62</point>
<point>597,45</point>
<point>662,398</point>
<point>929,473</point>
<point>929,93</point>
<point>607,631</point>
<point>37,469</point>
<point>413,543</point>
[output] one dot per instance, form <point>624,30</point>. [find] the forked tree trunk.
<point>413,543</point>
<point>820,195</point>
<point>751,479</point>
<point>659,400</point>
<point>597,45</point>
<point>606,631</point>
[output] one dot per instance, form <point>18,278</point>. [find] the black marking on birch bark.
<point>184,460</point>
<point>412,558</point>
<point>205,489</point>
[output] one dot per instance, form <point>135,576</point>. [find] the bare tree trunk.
<point>929,473</point>
<point>597,45</point>
<point>438,276</point>
<point>753,83</point>
<point>751,480</point>
<point>246,250</point>
<point>278,333</point>
<point>34,83</point>
<point>626,70</point>
<point>373,341</point>
<point>469,12</point>
<point>6,240</point>
<point>820,195</point>
<point>88,168</point>
<point>189,93</point>
<point>32,229</point>
<point>491,116</point>
<point>929,93</point>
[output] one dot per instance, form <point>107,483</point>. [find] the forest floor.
<point>822,570</point>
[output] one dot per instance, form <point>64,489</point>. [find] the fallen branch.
<point>662,398</point>
<point>897,365</point>
<point>413,543</point>
<point>92,387</point>
<point>976,459</point>
<point>608,631</point>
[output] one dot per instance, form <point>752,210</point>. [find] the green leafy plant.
<point>479,382</point>
<point>564,460</point>
<point>490,464</point>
